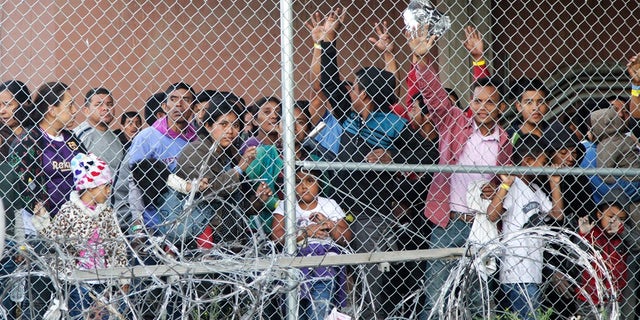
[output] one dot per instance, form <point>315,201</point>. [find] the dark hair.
<point>22,95</point>
<point>152,106</point>
<point>177,86</point>
<point>150,175</point>
<point>315,172</point>
<point>215,110</point>
<point>255,108</point>
<point>581,117</point>
<point>231,97</point>
<point>205,95</point>
<point>528,145</point>
<point>303,105</point>
<point>48,94</point>
<point>612,97</point>
<point>525,84</point>
<point>129,115</point>
<point>420,98</point>
<point>262,101</point>
<point>494,82</point>
<point>93,92</point>
<point>453,93</point>
<point>380,86</point>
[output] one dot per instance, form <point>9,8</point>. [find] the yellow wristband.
<point>479,63</point>
<point>635,91</point>
<point>505,186</point>
<point>317,46</point>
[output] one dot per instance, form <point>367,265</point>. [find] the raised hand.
<point>383,42</point>
<point>316,27</point>
<point>633,68</point>
<point>488,191</point>
<point>474,43</point>
<point>555,179</point>
<point>614,225</point>
<point>421,43</point>
<point>318,231</point>
<point>333,24</point>
<point>325,28</point>
<point>584,225</point>
<point>507,179</point>
<point>263,192</point>
<point>248,157</point>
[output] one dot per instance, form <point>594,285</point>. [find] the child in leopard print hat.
<point>88,232</point>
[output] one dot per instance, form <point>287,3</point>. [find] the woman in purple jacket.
<point>42,157</point>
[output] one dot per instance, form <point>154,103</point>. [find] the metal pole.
<point>628,173</point>
<point>286,44</point>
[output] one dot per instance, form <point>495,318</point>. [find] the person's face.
<point>225,129</point>
<point>532,161</point>
<point>268,117</point>
<point>178,106</point>
<point>414,112</point>
<point>611,219</point>
<point>131,127</point>
<point>532,106</point>
<point>100,109</point>
<point>66,110</point>
<point>566,157</point>
<point>416,115</point>
<point>358,98</point>
<point>300,125</point>
<point>622,108</point>
<point>8,106</point>
<point>485,105</point>
<point>307,187</point>
<point>102,193</point>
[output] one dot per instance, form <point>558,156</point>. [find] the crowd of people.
<point>208,170</point>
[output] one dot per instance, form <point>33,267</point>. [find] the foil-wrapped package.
<point>420,13</point>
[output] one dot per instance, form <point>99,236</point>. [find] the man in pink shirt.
<point>474,141</point>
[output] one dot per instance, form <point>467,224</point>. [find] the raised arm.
<point>557,202</point>
<point>475,45</point>
<point>318,106</point>
<point>384,44</point>
<point>496,207</point>
<point>332,86</point>
<point>633,67</point>
<point>423,78</point>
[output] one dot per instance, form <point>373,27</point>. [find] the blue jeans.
<point>523,298</point>
<point>320,305</point>
<point>437,271</point>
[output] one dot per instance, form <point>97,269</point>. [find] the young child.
<point>605,234</point>
<point>86,229</point>
<point>322,230</point>
<point>521,203</point>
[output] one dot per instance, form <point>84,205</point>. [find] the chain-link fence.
<point>320,160</point>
